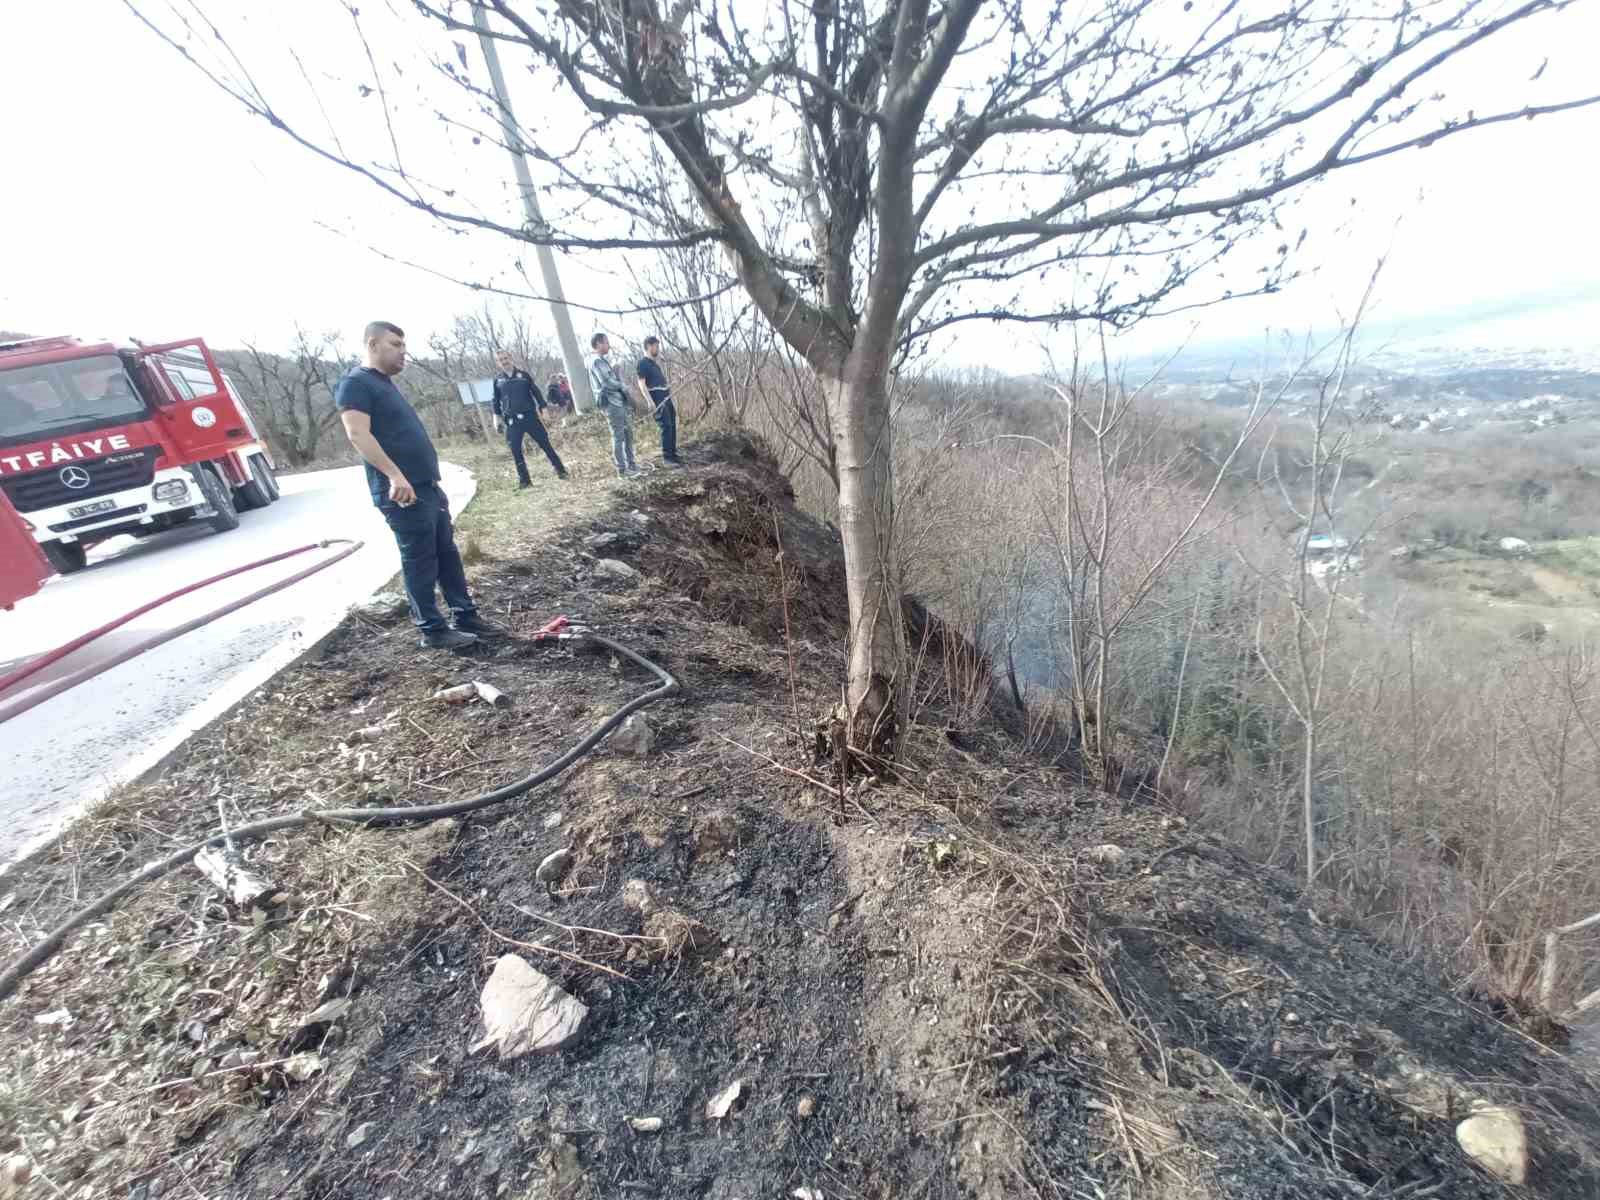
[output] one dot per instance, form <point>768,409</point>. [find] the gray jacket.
<point>608,389</point>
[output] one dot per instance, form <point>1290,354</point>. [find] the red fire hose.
<point>23,704</point>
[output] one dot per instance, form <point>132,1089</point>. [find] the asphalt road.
<point>70,750</point>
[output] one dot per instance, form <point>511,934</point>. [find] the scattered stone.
<point>640,897</point>
<point>646,1124</point>
<point>635,737</point>
<point>460,694</point>
<point>303,1066</point>
<point>555,866</point>
<point>384,606</point>
<point>59,1016</point>
<point>1107,854</point>
<point>15,1174</point>
<point>807,1193</point>
<point>616,571</point>
<point>722,1103</point>
<point>330,1012</point>
<point>1496,1139</point>
<point>610,540</point>
<point>806,1107</point>
<point>359,1135</point>
<point>525,1011</point>
<point>716,830</point>
<point>553,821</point>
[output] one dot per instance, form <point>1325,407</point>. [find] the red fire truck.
<point>98,440</point>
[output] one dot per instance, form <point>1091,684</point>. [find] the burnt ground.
<point>938,985</point>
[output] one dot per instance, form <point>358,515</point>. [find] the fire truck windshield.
<point>51,400</point>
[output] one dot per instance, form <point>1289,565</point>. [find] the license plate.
<point>99,506</point>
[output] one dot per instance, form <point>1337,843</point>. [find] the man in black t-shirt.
<point>658,399</point>
<point>403,477</point>
<point>516,407</point>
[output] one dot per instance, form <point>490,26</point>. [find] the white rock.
<point>1107,854</point>
<point>554,867</point>
<point>15,1172</point>
<point>1513,545</point>
<point>646,1124</point>
<point>359,1135</point>
<point>553,821</point>
<point>722,1103</point>
<point>384,604</point>
<point>303,1066</point>
<point>329,1012</point>
<point>525,1011</point>
<point>1495,1138</point>
<point>635,737</point>
<point>615,570</point>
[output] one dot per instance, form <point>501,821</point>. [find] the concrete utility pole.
<point>577,370</point>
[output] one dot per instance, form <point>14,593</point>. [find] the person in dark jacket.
<point>516,410</point>
<point>558,392</point>
<point>658,399</point>
<point>403,477</point>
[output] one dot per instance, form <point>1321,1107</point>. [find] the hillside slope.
<point>976,979</point>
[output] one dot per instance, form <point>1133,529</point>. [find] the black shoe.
<point>478,627</point>
<point>562,475</point>
<point>525,483</point>
<point>674,462</point>
<point>447,639</point>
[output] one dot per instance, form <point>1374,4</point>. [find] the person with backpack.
<point>516,410</point>
<point>612,399</point>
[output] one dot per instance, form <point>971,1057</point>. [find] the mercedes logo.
<point>75,477</point>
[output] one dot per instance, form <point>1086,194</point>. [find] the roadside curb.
<point>304,640</point>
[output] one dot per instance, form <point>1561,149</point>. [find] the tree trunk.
<point>874,691</point>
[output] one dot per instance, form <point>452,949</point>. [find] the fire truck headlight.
<point>171,489</point>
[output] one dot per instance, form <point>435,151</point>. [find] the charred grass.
<point>971,978</point>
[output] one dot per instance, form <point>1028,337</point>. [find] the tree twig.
<point>511,941</point>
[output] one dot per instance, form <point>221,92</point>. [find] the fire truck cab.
<point>98,440</point>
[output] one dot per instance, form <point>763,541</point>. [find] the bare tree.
<point>1321,558</point>
<point>877,171</point>
<point>292,393</point>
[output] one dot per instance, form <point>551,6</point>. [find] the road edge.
<point>285,654</point>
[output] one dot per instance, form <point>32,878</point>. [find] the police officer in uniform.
<point>516,409</point>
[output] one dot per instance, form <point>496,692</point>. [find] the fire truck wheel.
<point>249,496</point>
<point>220,496</point>
<point>66,557</point>
<point>269,480</point>
<point>259,490</point>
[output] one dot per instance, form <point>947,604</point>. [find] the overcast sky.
<point>140,201</point>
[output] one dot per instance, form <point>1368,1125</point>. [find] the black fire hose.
<point>53,941</point>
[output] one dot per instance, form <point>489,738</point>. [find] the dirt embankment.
<point>977,979</point>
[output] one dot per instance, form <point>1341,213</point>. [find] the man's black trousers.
<point>518,428</point>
